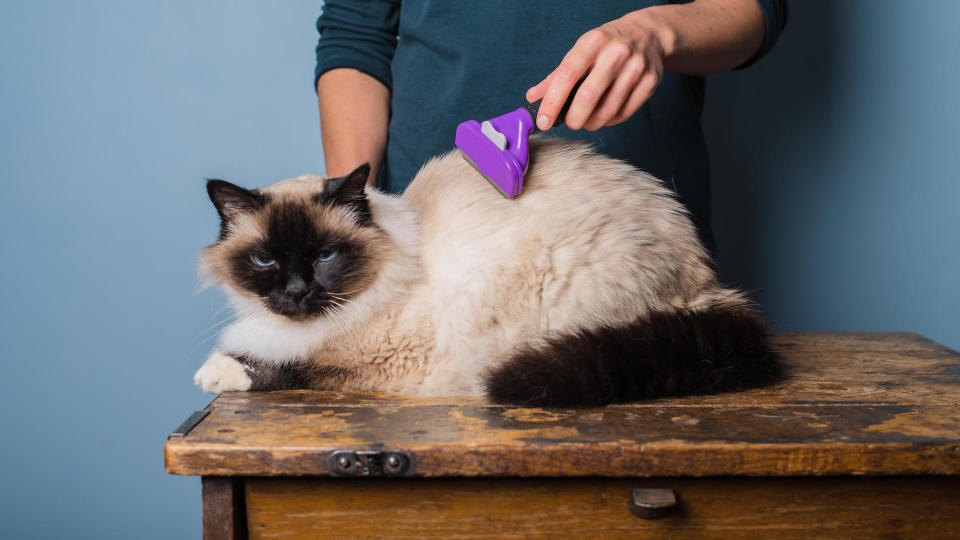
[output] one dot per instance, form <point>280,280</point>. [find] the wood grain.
<point>725,508</point>
<point>881,404</point>
<point>224,508</point>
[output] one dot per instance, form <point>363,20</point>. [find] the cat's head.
<point>301,247</point>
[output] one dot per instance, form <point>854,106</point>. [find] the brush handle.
<point>534,107</point>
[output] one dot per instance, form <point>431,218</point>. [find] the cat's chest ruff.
<point>274,341</point>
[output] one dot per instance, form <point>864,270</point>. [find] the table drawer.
<point>899,507</point>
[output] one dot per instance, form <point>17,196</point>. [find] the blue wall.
<point>837,170</point>
<point>111,115</point>
<point>836,187</point>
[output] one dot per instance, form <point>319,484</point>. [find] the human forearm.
<point>625,58</point>
<point>354,113</point>
<point>706,36</point>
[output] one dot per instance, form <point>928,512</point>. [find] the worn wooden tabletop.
<point>855,403</point>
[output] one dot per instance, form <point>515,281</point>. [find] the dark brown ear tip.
<point>363,169</point>
<point>215,184</point>
<point>231,199</point>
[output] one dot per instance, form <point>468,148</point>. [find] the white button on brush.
<point>495,136</point>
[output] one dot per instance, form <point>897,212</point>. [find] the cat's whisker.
<point>221,310</point>
<point>219,324</point>
<point>339,299</point>
<point>337,321</point>
<point>223,325</point>
<point>338,317</point>
<point>340,322</point>
<point>355,291</point>
<point>206,339</point>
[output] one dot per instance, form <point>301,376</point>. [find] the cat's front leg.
<point>224,372</point>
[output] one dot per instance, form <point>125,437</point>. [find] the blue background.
<point>835,162</point>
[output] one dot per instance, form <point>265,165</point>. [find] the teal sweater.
<point>447,61</point>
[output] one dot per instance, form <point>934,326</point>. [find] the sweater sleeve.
<point>775,19</point>
<point>358,34</point>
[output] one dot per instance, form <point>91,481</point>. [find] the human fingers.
<point>606,67</point>
<point>561,80</point>
<point>618,93</point>
<point>641,93</point>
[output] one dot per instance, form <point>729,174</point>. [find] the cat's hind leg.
<point>664,354</point>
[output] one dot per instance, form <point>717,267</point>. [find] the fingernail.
<point>543,122</point>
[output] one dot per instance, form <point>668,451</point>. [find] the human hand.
<point>625,63</point>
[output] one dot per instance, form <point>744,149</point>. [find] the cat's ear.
<point>232,200</point>
<point>347,187</point>
<point>349,190</point>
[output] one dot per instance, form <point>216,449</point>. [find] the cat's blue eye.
<point>261,261</point>
<point>326,255</point>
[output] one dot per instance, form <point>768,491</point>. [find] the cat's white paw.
<point>222,373</point>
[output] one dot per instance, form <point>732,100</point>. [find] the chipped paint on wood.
<point>854,404</point>
<point>919,424</point>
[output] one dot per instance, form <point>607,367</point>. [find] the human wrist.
<point>657,21</point>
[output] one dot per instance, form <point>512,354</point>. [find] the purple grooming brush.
<point>498,148</point>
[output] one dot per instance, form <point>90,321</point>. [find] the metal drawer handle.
<point>653,503</point>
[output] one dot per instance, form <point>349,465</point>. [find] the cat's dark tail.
<point>666,354</point>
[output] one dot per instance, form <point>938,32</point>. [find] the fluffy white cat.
<point>590,288</point>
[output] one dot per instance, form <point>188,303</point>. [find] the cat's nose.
<point>296,288</point>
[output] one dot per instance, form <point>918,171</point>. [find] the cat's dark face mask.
<point>296,272</point>
<point>304,264</point>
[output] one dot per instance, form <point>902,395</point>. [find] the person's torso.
<point>463,60</point>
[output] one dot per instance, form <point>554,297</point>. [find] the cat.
<point>590,288</point>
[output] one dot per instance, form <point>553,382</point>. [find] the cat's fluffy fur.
<point>589,288</point>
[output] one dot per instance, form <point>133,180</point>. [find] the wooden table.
<point>862,441</point>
